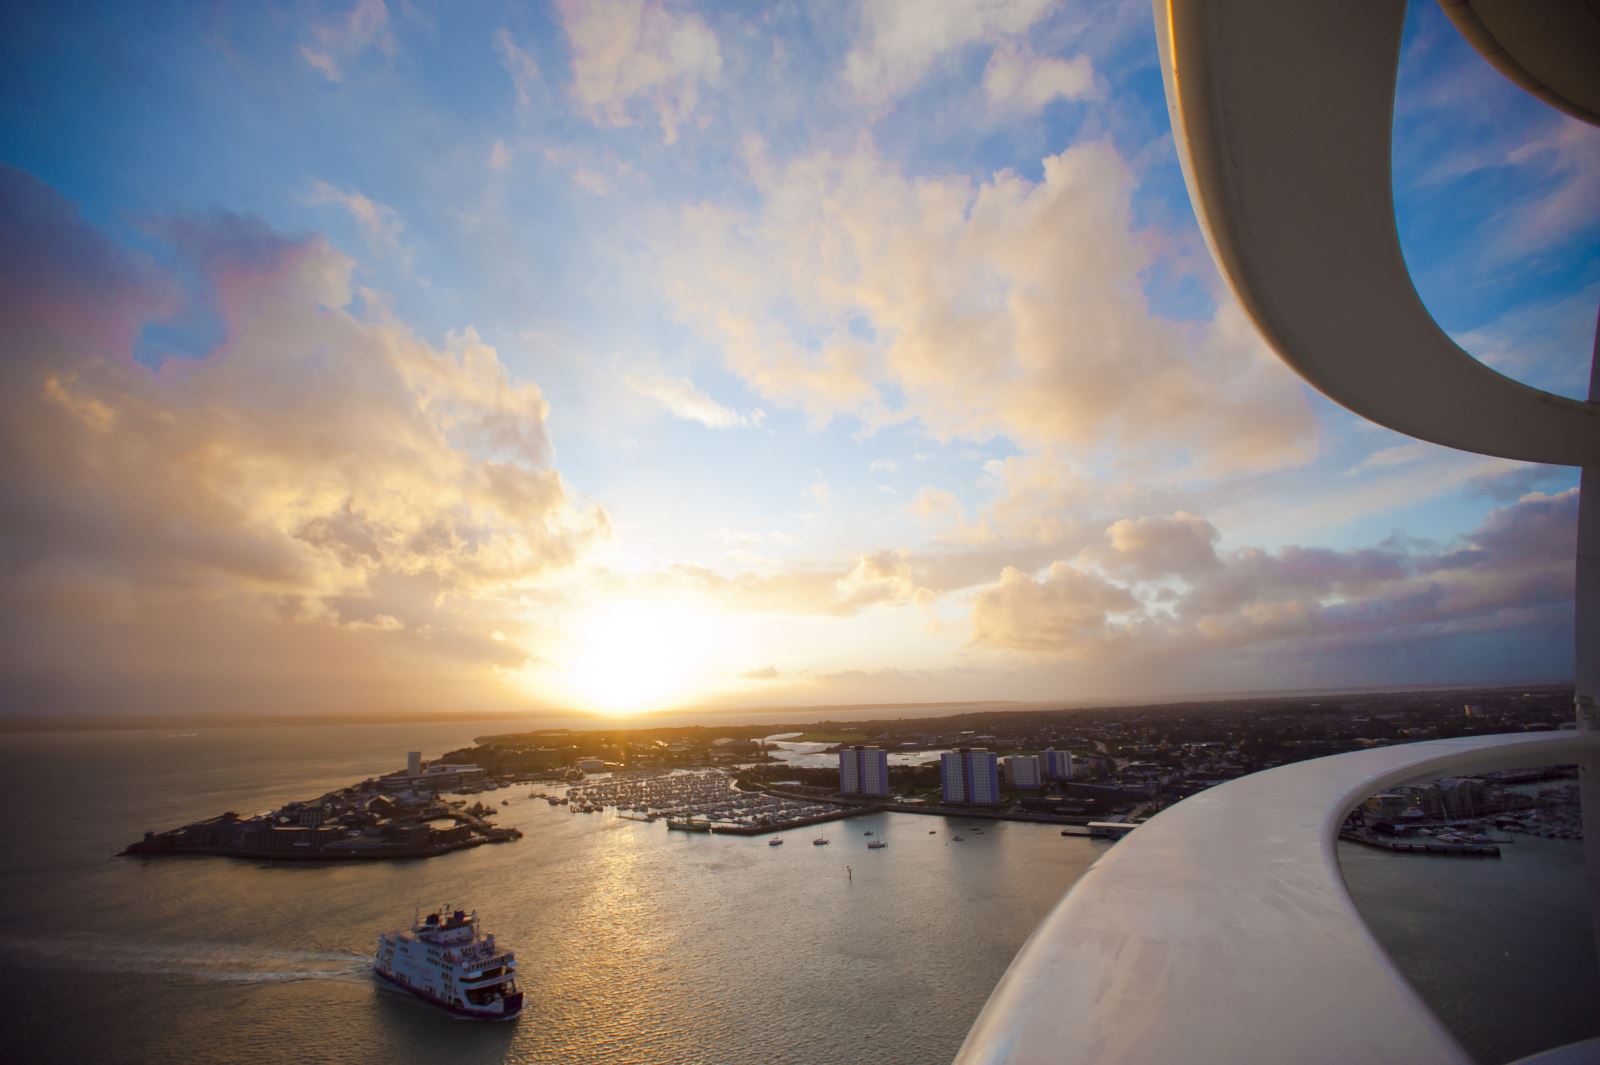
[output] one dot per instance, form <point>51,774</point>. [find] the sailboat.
<point>822,840</point>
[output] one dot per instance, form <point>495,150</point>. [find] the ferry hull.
<point>513,1001</point>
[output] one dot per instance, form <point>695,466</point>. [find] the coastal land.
<point>1128,764</point>
<point>379,818</point>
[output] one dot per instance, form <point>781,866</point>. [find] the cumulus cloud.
<point>1017,79</point>
<point>1066,612</point>
<point>317,476</point>
<point>679,397</point>
<point>625,51</point>
<point>335,41</point>
<point>1512,572</point>
<point>901,40</point>
<point>1149,548</point>
<point>1014,308</point>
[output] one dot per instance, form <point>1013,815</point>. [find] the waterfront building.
<point>414,764</point>
<point>1386,806</point>
<point>863,771</point>
<point>970,775</point>
<point>1057,764</point>
<point>1022,771</point>
<point>1447,797</point>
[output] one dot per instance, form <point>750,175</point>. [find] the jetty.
<point>1419,846</point>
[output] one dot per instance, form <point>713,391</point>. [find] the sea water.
<point>635,944</point>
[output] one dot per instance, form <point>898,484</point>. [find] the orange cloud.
<point>1011,309</point>
<point>321,478</point>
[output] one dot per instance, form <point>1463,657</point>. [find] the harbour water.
<point>636,944</point>
<point>1500,949</point>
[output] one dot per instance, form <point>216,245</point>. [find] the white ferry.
<point>445,960</point>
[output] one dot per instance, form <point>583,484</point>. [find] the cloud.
<point>1149,548</point>
<point>381,224</point>
<point>1510,576</point>
<point>521,67</point>
<point>820,493</point>
<point>1567,157</point>
<point>765,673</point>
<point>934,504</point>
<point>1011,309</point>
<point>1397,455</point>
<point>639,50</point>
<point>901,40</point>
<point>883,466</point>
<point>885,578</point>
<point>1548,343</point>
<point>1066,613</point>
<point>1520,479</point>
<point>334,42</point>
<point>679,397</point>
<point>316,477</point>
<point>1018,80</point>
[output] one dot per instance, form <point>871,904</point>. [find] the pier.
<point>1400,846</point>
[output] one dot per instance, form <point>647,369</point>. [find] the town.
<point>1084,762</point>
<point>1102,770</point>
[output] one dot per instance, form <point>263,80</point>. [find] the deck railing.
<point>1221,930</point>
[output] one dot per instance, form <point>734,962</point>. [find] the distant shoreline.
<point>577,720</point>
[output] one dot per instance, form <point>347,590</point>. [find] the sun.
<point>629,657</point>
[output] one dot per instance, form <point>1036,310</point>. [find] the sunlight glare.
<point>635,656</point>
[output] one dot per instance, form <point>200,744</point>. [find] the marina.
<point>696,801</point>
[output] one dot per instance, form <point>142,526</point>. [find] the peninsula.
<point>397,816</point>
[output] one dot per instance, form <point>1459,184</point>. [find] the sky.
<point>624,355</point>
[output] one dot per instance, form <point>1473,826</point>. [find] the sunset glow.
<point>625,356</point>
<point>632,657</point>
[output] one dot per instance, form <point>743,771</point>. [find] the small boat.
<point>931,832</point>
<point>820,841</point>
<point>868,832</point>
<point>877,844</point>
<point>775,842</point>
<point>959,839</point>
